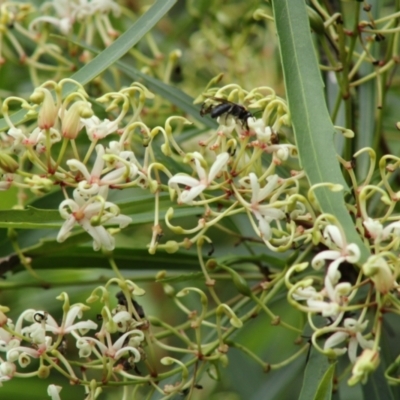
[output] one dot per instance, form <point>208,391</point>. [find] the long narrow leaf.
<point>312,125</point>
<point>318,375</point>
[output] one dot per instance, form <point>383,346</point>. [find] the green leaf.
<point>318,378</point>
<point>377,387</point>
<point>312,125</point>
<point>31,218</point>
<point>141,210</point>
<point>124,43</point>
<point>112,53</point>
<point>183,277</point>
<point>133,258</point>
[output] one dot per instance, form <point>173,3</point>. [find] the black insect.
<point>122,302</point>
<point>226,108</point>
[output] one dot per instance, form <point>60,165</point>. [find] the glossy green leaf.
<point>112,53</point>
<point>182,277</point>
<point>318,378</point>
<point>126,258</point>
<point>140,210</point>
<point>31,218</point>
<point>311,122</point>
<point>377,387</point>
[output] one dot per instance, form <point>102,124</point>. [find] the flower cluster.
<point>236,171</point>
<point>37,339</point>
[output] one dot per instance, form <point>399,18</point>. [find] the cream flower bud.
<point>38,183</point>
<point>380,273</point>
<point>3,318</point>
<point>365,364</point>
<point>49,110</point>
<point>7,163</point>
<point>71,122</point>
<point>171,246</point>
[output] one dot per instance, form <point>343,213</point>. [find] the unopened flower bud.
<point>43,372</point>
<point>3,319</point>
<point>169,290</point>
<point>7,163</point>
<point>49,110</point>
<point>38,183</point>
<point>365,364</point>
<point>171,246</point>
<point>71,122</point>
<point>380,273</point>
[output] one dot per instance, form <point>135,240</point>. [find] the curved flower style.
<point>264,213</point>
<point>94,183</point>
<point>380,233</point>
<point>36,139</point>
<point>337,296</point>
<point>82,212</point>
<point>69,325</point>
<point>24,354</point>
<point>113,351</point>
<point>352,330</point>
<point>198,185</point>
<point>348,252</point>
<point>98,129</point>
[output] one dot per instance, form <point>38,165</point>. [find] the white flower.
<point>306,293</point>
<point>337,295</point>
<point>198,185</point>
<point>7,341</point>
<point>21,140</point>
<point>7,371</point>
<point>24,354</point>
<point>327,309</point>
<point>352,330</point>
<point>264,213</point>
<point>116,350</point>
<point>263,132</point>
<point>123,320</point>
<point>82,212</point>
<point>63,24</point>
<point>347,252</point>
<point>98,129</point>
<point>6,181</point>
<point>124,170</point>
<point>68,11</point>
<point>54,392</point>
<point>374,228</point>
<point>68,324</point>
